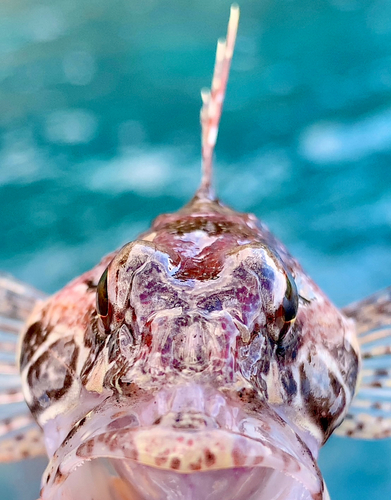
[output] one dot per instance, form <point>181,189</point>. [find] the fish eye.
<point>290,302</point>
<point>287,311</point>
<point>102,298</point>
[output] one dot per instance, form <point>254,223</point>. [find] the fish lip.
<point>214,449</point>
<point>191,451</point>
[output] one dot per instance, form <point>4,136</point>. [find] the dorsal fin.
<point>213,99</point>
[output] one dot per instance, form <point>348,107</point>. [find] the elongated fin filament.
<point>213,102</point>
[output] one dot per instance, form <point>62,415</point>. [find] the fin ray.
<point>26,444</point>
<point>20,436</point>
<point>10,396</point>
<point>369,416</point>
<point>372,312</point>
<point>17,300</point>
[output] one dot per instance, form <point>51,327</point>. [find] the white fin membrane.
<point>369,416</point>
<point>20,436</point>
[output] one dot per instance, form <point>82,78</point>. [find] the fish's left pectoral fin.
<point>371,313</point>
<point>369,415</point>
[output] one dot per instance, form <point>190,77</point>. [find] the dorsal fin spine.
<point>213,103</point>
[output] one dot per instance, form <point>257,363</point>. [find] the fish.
<point>198,361</point>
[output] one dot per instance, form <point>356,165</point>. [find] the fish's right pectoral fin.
<point>369,415</point>
<point>20,436</point>
<point>17,299</point>
<point>22,443</point>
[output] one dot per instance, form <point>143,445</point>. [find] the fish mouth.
<point>183,457</point>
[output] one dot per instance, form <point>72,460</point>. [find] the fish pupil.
<point>290,301</point>
<point>102,297</point>
<point>289,310</point>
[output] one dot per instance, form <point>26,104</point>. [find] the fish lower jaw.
<point>169,464</point>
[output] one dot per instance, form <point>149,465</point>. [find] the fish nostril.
<point>157,421</point>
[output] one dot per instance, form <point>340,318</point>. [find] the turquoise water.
<point>99,124</point>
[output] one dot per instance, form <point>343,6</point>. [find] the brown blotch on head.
<point>60,477</point>
<point>52,374</point>
<point>247,395</point>
<point>319,408</point>
<point>210,458</point>
<point>32,339</point>
<point>91,286</point>
<point>289,384</point>
<point>175,463</point>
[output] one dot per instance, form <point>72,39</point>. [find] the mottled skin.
<point>205,305</point>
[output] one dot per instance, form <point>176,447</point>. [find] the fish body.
<point>199,361</point>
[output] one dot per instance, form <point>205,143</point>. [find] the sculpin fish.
<point>198,362</point>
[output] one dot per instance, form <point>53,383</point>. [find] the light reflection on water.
<point>99,133</point>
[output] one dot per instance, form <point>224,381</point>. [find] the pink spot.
<point>196,465</point>
<point>258,460</point>
<point>238,457</point>
<point>160,461</point>
<point>210,458</point>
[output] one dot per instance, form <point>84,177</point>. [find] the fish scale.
<point>198,361</point>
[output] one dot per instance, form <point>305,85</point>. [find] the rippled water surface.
<point>99,124</point>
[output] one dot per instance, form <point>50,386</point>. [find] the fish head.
<point>222,368</point>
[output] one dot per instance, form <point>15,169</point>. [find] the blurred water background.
<point>99,124</point>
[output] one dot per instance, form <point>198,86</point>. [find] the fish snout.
<point>179,342</point>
